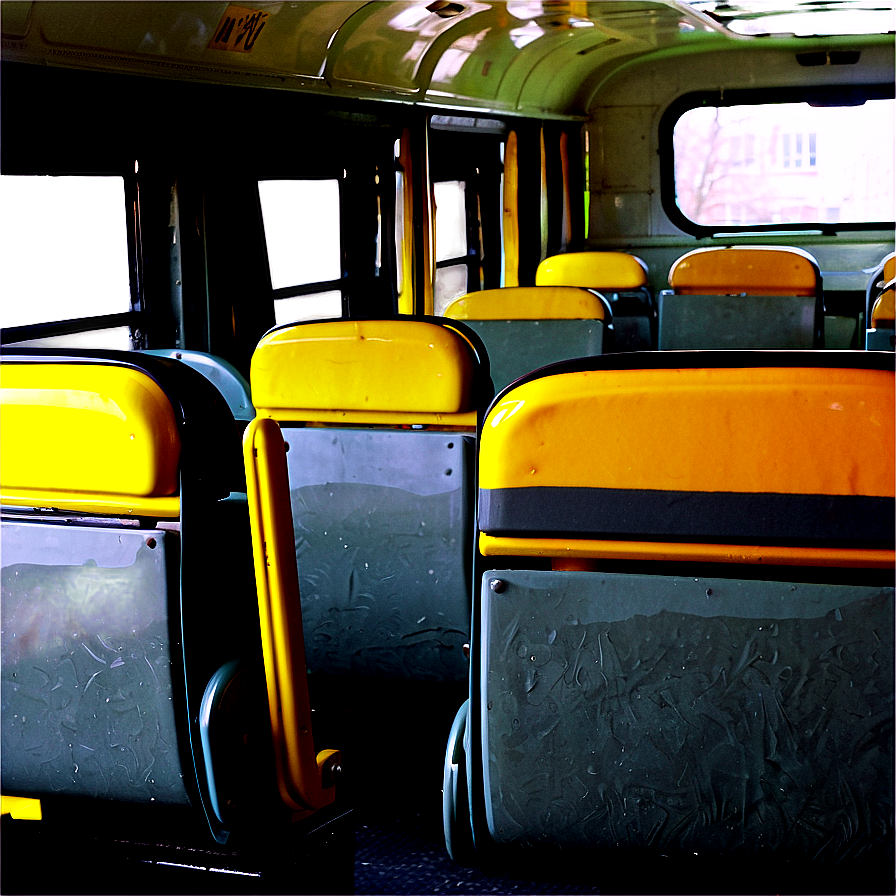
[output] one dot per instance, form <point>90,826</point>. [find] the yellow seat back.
<point>528,303</point>
<point>753,270</point>
<point>372,371</point>
<point>99,546</point>
<point>363,530</point>
<point>525,328</point>
<point>88,437</point>
<point>717,458</point>
<point>593,270</point>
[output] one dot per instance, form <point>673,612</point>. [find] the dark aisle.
<point>406,855</point>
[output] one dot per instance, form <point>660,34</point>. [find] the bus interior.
<point>529,366</point>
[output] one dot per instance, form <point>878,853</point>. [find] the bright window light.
<point>301,228</point>
<point>318,306</point>
<point>117,338</point>
<point>451,220</point>
<point>64,248</point>
<point>787,163</point>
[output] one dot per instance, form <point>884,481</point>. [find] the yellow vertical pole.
<point>566,221</point>
<point>511,212</point>
<point>587,183</point>
<point>299,770</point>
<point>405,249</point>
<point>543,216</point>
<point>426,252</point>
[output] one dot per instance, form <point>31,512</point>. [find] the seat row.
<point>135,603</point>
<point>586,303</point>
<point>380,480</point>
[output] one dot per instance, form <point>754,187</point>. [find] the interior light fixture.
<point>445,9</point>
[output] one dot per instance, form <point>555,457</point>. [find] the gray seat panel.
<point>732,322</point>
<point>87,701</point>
<point>517,347</point>
<point>684,714</point>
<point>384,549</point>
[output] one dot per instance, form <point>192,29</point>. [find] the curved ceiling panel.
<point>285,37</point>
<point>536,57</point>
<point>387,44</point>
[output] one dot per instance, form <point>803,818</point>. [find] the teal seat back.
<point>221,374</point>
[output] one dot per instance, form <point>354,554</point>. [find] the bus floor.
<point>403,853</point>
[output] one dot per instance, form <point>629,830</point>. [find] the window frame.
<point>135,318</point>
<point>469,149</point>
<point>319,286</point>
<point>364,174</point>
<point>819,96</point>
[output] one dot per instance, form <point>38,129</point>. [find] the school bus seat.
<point>742,297</point>
<point>116,466</point>
<point>379,420</point>
<point>594,270</point>
<point>526,327</point>
<point>619,276</point>
<point>688,646</point>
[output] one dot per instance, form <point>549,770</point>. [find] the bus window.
<point>785,164</point>
<point>103,338</point>
<point>403,224</point>
<point>451,236</point>
<point>302,232</point>
<point>65,243</point>
<point>466,170</point>
<point>313,307</point>
<point>451,242</point>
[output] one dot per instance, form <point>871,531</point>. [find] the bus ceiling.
<point>543,59</point>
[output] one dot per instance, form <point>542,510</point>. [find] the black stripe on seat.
<point>706,517</point>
